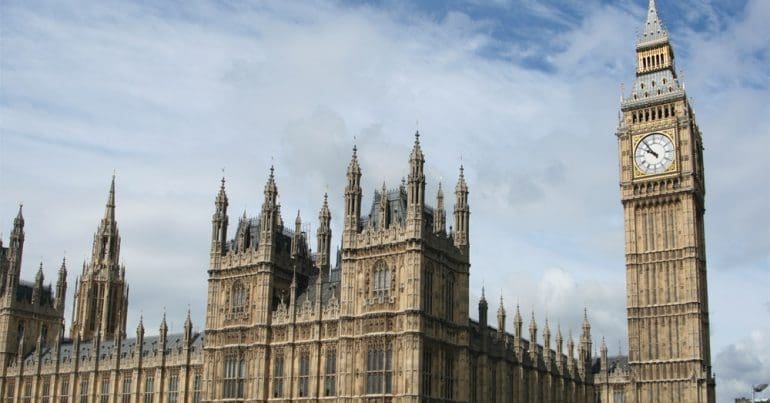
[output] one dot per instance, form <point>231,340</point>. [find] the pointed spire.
<point>653,31</point>
<point>532,322</point>
<point>39,275</point>
<point>271,191</point>
<point>416,150</point>
<point>416,186</point>
<point>19,220</point>
<point>353,195</point>
<point>501,318</point>
<point>461,185</point>
<point>325,214</point>
<point>140,327</point>
<point>221,201</point>
<point>324,236</point>
<point>188,320</point>
<point>109,209</point>
<point>353,166</point>
<point>483,306</point>
<point>517,315</point>
<point>439,221</point>
<point>461,211</point>
<point>163,325</point>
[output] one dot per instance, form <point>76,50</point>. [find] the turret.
<point>559,351</point>
<point>324,236</point>
<point>15,249</point>
<point>270,215</point>
<point>517,325</point>
<point>415,186</point>
<point>570,353</point>
<point>501,320</point>
<point>98,293</point>
<point>383,207</point>
<point>219,222</point>
<point>187,337</point>
<point>533,338</point>
<point>585,339</point>
<point>603,354</point>
<point>61,287</point>
<point>483,307</point>
<point>244,234</point>
<point>296,244</point>
<point>462,212</point>
<point>163,331</point>
<point>439,220</point>
<point>37,288</point>
<point>353,194</point>
<point>139,337</point>
<point>106,247</point>
<point>547,342</point>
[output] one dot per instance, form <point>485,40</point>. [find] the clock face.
<point>654,153</point>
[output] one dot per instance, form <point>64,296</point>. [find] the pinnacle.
<point>109,209</point>
<point>653,29</point>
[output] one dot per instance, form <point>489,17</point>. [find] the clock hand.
<point>649,149</point>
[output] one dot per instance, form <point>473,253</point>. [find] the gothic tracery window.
<point>379,369</point>
<point>304,374</point>
<point>330,382</point>
<point>381,279</point>
<point>238,298</point>
<point>233,376</point>
<point>278,376</point>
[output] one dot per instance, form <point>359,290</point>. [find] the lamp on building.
<point>756,389</point>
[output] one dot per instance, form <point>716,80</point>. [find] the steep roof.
<point>653,32</point>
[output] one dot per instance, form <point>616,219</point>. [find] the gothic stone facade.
<point>387,322</point>
<point>662,190</point>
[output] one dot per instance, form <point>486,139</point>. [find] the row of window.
<point>653,61</point>
<point>446,380</point>
<point>125,392</point>
<point>649,114</point>
<point>303,381</point>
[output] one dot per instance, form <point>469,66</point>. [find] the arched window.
<point>234,374</point>
<point>238,301</point>
<point>381,278</point>
<point>379,369</point>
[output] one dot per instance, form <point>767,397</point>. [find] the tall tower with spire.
<point>101,295</point>
<point>31,315</point>
<point>662,191</point>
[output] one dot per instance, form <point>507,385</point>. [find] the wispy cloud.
<point>527,95</point>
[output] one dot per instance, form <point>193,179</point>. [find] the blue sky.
<point>526,92</point>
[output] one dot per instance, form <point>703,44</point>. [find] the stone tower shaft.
<point>662,191</point>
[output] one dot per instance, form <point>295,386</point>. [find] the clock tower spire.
<point>662,191</point>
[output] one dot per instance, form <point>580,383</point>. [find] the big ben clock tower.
<point>662,190</point>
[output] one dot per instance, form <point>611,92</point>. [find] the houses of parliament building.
<point>387,317</point>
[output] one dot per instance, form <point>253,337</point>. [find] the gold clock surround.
<point>672,169</point>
